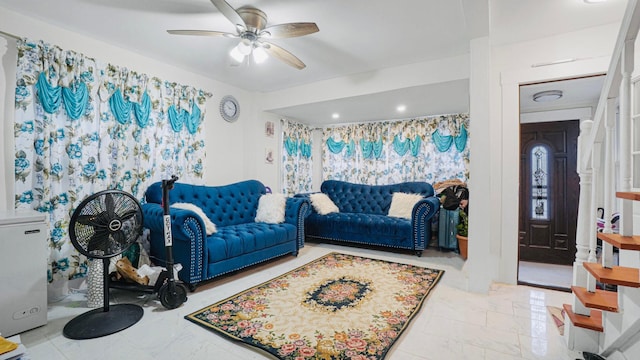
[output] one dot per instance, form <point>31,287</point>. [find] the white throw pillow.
<point>402,204</point>
<point>210,227</point>
<point>271,208</point>
<point>323,204</point>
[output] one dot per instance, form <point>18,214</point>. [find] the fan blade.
<point>202,33</point>
<point>99,241</point>
<point>290,30</point>
<point>91,220</point>
<point>119,237</point>
<point>229,12</point>
<point>283,55</point>
<point>110,207</point>
<point>128,215</point>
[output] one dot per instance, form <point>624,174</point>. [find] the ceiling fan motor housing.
<point>255,19</point>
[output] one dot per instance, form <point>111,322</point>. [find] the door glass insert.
<point>539,183</point>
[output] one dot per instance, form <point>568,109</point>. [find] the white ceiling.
<point>355,36</point>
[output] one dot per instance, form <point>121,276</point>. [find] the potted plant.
<point>463,232</point>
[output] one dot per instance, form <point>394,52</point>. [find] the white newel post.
<point>574,337</point>
<point>584,207</point>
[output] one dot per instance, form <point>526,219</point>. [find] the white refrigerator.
<point>23,271</point>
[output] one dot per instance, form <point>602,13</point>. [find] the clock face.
<point>229,108</point>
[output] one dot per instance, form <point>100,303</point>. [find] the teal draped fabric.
<point>415,146</point>
<point>401,147</point>
<point>371,149</point>
<point>305,149</point>
<point>193,120</point>
<point>143,110</point>
<point>335,146</point>
<point>176,119</point>
<point>290,145</point>
<point>377,148</point>
<point>442,142</point>
<point>461,139</point>
<point>120,107</point>
<point>367,148</point>
<point>76,99</point>
<point>50,96</point>
<point>351,148</point>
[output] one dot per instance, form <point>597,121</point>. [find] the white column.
<point>609,180</point>
<point>584,207</point>
<point>626,208</point>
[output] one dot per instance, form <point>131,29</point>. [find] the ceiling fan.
<point>252,30</point>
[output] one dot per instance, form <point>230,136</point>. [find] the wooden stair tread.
<point>601,299</point>
<point>629,195</point>
<point>592,322</point>
<point>621,242</point>
<point>618,275</point>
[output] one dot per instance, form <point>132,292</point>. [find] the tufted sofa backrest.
<point>369,199</point>
<point>225,205</point>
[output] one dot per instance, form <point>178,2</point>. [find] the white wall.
<point>226,144</point>
<point>510,67</point>
<point>430,72</point>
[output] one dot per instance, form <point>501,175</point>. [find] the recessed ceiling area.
<point>433,99</point>
<point>581,92</point>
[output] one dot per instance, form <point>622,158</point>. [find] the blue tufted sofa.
<point>239,241</point>
<point>363,215</point>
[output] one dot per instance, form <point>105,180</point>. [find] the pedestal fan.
<point>104,225</point>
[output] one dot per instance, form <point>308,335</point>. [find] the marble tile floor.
<point>557,276</point>
<point>509,323</point>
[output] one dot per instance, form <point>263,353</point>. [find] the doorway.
<point>548,180</point>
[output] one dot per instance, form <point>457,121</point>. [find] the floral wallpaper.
<point>430,149</point>
<point>82,126</point>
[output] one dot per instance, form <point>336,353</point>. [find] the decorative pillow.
<point>323,204</point>
<point>210,227</point>
<point>271,208</point>
<point>402,204</point>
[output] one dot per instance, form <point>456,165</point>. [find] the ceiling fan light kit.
<point>251,29</point>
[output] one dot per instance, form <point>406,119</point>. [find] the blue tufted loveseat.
<point>239,241</point>
<point>363,215</point>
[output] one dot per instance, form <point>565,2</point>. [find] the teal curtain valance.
<point>290,145</point>
<point>305,149</point>
<point>74,97</point>
<point>120,107</point>
<point>335,146</point>
<point>142,111</point>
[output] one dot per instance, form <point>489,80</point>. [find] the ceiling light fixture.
<point>401,108</point>
<point>247,48</point>
<point>335,115</point>
<point>549,95</point>
<point>594,1</point>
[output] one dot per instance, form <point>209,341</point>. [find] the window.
<point>539,183</point>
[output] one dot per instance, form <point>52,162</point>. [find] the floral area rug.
<point>336,307</point>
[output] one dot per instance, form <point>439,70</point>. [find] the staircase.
<point>601,321</point>
<point>606,328</point>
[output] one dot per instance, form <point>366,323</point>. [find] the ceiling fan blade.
<point>229,12</point>
<point>201,33</point>
<point>283,55</point>
<point>290,30</point>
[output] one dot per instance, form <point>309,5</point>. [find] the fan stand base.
<point>98,322</point>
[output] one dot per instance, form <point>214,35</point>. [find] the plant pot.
<point>462,244</point>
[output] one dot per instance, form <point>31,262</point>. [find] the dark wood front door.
<point>549,187</point>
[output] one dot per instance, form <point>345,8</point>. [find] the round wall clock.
<point>229,108</point>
